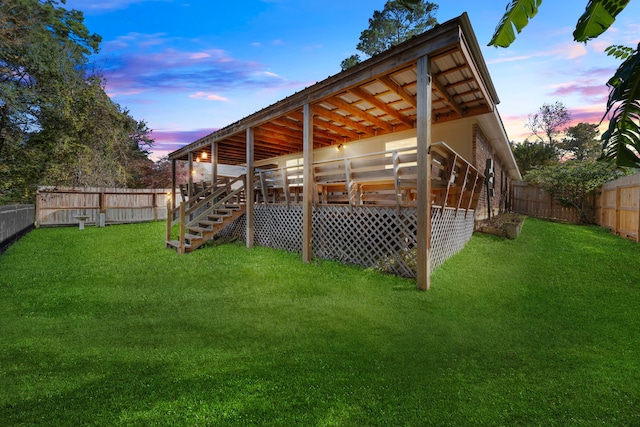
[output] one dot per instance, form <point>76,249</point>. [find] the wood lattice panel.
<point>279,227</point>
<point>365,235</point>
<point>362,235</point>
<point>451,229</point>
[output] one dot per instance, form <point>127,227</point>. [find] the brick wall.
<point>482,151</point>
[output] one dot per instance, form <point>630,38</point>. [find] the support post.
<point>173,185</point>
<point>423,125</point>
<point>169,220</point>
<point>308,184</point>
<point>181,243</point>
<point>214,165</point>
<point>190,189</point>
<point>249,188</point>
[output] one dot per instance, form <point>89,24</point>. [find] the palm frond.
<point>518,14</point>
<point>597,18</point>
<point>621,141</point>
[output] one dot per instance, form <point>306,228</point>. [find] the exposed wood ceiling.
<point>374,98</point>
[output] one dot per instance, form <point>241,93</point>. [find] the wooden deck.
<point>385,178</point>
<point>365,209</point>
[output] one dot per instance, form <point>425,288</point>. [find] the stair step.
<point>176,244</point>
<point>190,237</point>
<point>216,217</point>
<point>210,223</point>
<point>199,229</point>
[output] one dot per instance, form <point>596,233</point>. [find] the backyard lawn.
<point>106,327</point>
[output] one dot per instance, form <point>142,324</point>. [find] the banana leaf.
<point>597,18</point>
<point>518,14</point>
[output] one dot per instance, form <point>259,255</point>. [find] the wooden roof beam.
<point>352,109</point>
<point>446,96</point>
<point>342,133</point>
<point>371,99</point>
<point>270,126</point>
<point>345,120</point>
<point>401,91</point>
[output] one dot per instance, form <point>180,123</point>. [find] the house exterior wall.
<point>456,134</point>
<point>482,150</point>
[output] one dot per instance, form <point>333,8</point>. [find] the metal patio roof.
<point>375,97</point>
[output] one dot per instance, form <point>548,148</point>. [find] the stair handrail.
<point>223,184</point>
<point>219,192</point>
<point>217,204</point>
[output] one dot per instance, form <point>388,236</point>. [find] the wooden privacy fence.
<point>620,207</point>
<point>533,201</point>
<point>617,207</point>
<point>65,205</point>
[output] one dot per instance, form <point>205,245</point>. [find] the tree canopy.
<point>548,122</point>
<point>621,141</point>
<point>581,142</point>
<point>398,21</point>
<point>533,155</point>
<point>57,124</point>
<point>574,182</point>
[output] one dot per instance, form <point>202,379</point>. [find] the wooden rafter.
<point>400,90</point>
<point>352,109</point>
<point>448,99</point>
<point>386,108</point>
<point>345,120</point>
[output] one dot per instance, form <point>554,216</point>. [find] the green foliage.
<point>620,52</point>
<point>107,327</point>
<point>350,62</point>
<point>398,21</point>
<point>57,125</point>
<point>531,155</point>
<point>574,183</point>
<point>582,141</point>
<point>622,138</point>
<point>518,14</point>
<point>597,18</point>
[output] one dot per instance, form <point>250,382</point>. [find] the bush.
<point>574,183</point>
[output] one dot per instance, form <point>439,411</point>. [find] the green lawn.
<point>106,327</point>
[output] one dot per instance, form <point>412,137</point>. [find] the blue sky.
<point>188,67</point>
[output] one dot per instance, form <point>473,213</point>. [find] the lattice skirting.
<point>451,229</point>
<point>370,236</point>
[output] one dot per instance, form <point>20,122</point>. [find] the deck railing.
<point>386,178</point>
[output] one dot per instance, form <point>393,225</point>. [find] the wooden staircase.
<point>206,214</point>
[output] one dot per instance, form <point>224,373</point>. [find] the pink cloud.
<point>208,96</point>
<point>180,136</point>
<point>167,141</point>
<point>566,51</point>
<point>589,91</point>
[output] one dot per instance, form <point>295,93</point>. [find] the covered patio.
<point>365,166</point>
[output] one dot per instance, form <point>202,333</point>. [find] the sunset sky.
<point>188,67</point>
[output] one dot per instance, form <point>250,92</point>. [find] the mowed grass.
<point>106,327</point>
